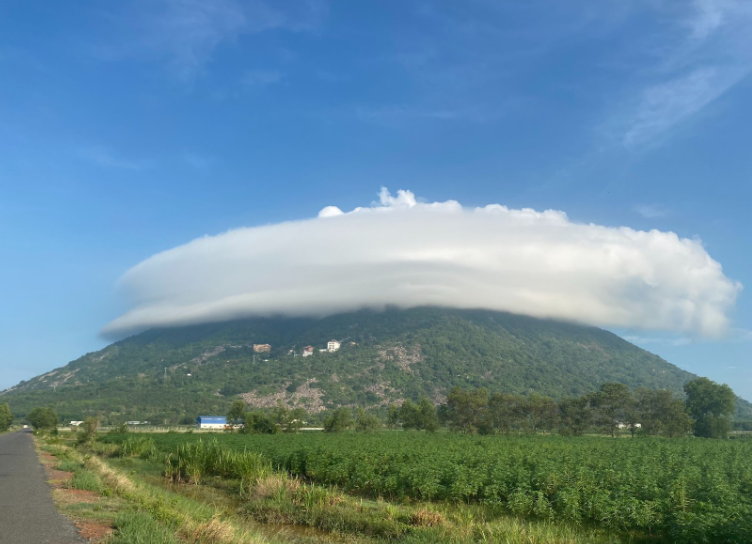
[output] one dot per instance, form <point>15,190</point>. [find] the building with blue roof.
<point>211,422</point>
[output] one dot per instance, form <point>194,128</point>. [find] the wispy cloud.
<point>712,56</point>
<point>396,116</point>
<point>742,335</point>
<point>661,341</point>
<point>197,161</point>
<point>652,211</point>
<point>261,78</point>
<point>665,105</point>
<point>102,156</point>
<point>734,335</point>
<point>186,33</point>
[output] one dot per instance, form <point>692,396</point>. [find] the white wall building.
<point>211,422</point>
<point>332,346</point>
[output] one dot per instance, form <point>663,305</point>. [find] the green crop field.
<point>686,490</point>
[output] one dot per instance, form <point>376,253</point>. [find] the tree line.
<point>6,417</point>
<point>705,411</point>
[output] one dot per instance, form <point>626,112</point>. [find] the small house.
<point>261,348</point>
<point>307,351</point>
<point>332,346</point>
<point>211,422</point>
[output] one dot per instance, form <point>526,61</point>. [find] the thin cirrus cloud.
<point>403,252</point>
<point>713,56</point>
<point>104,157</point>
<point>185,33</point>
<point>652,211</point>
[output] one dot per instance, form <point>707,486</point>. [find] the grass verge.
<point>275,498</point>
<point>202,494</point>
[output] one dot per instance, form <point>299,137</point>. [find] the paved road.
<point>27,514</point>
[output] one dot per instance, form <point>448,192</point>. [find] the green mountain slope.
<point>172,375</point>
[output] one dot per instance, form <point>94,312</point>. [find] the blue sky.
<point>130,128</point>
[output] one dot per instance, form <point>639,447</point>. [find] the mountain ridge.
<point>171,374</point>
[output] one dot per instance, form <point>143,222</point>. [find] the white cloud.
<point>403,252</point>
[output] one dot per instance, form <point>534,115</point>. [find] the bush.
<point>258,423</point>
<point>87,481</point>
<point>365,422</point>
<point>6,418</point>
<point>339,420</point>
<point>88,430</point>
<point>42,418</point>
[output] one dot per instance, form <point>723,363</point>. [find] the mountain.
<point>174,374</point>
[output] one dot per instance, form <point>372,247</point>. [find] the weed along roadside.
<point>206,490</point>
<point>406,487</point>
<point>122,507</point>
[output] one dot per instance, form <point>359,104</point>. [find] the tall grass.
<point>137,446</point>
<point>195,460</point>
<point>87,481</point>
<point>141,528</point>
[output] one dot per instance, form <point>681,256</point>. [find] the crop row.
<point>691,489</point>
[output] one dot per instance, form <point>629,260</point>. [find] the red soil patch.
<point>58,478</point>
<point>93,532</point>
<point>78,495</point>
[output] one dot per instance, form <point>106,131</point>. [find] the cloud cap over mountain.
<point>407,253</point>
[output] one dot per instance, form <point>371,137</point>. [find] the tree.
<point>392,419</point>
<point>259,423</point>
<point>613,402</point>
<point>339,420</point>
<point>711,406</point>
<point>502,414</point>
<point>88,430</point>
<point>236,412</point>
<point>409,415</point>
<point>467,409</point>
<point>281,416</point>
<point>575,415</point>
<point>365,422</point>
<point>660,413</point>
<point>6,418</point>
<point>298,418</point>
<point>540,412</point>
<point>427,416</point>
<point>42,418</point>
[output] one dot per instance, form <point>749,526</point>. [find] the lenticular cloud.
<point>407,253</point>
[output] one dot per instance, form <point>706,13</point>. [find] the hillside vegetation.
<point>173,375</point>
